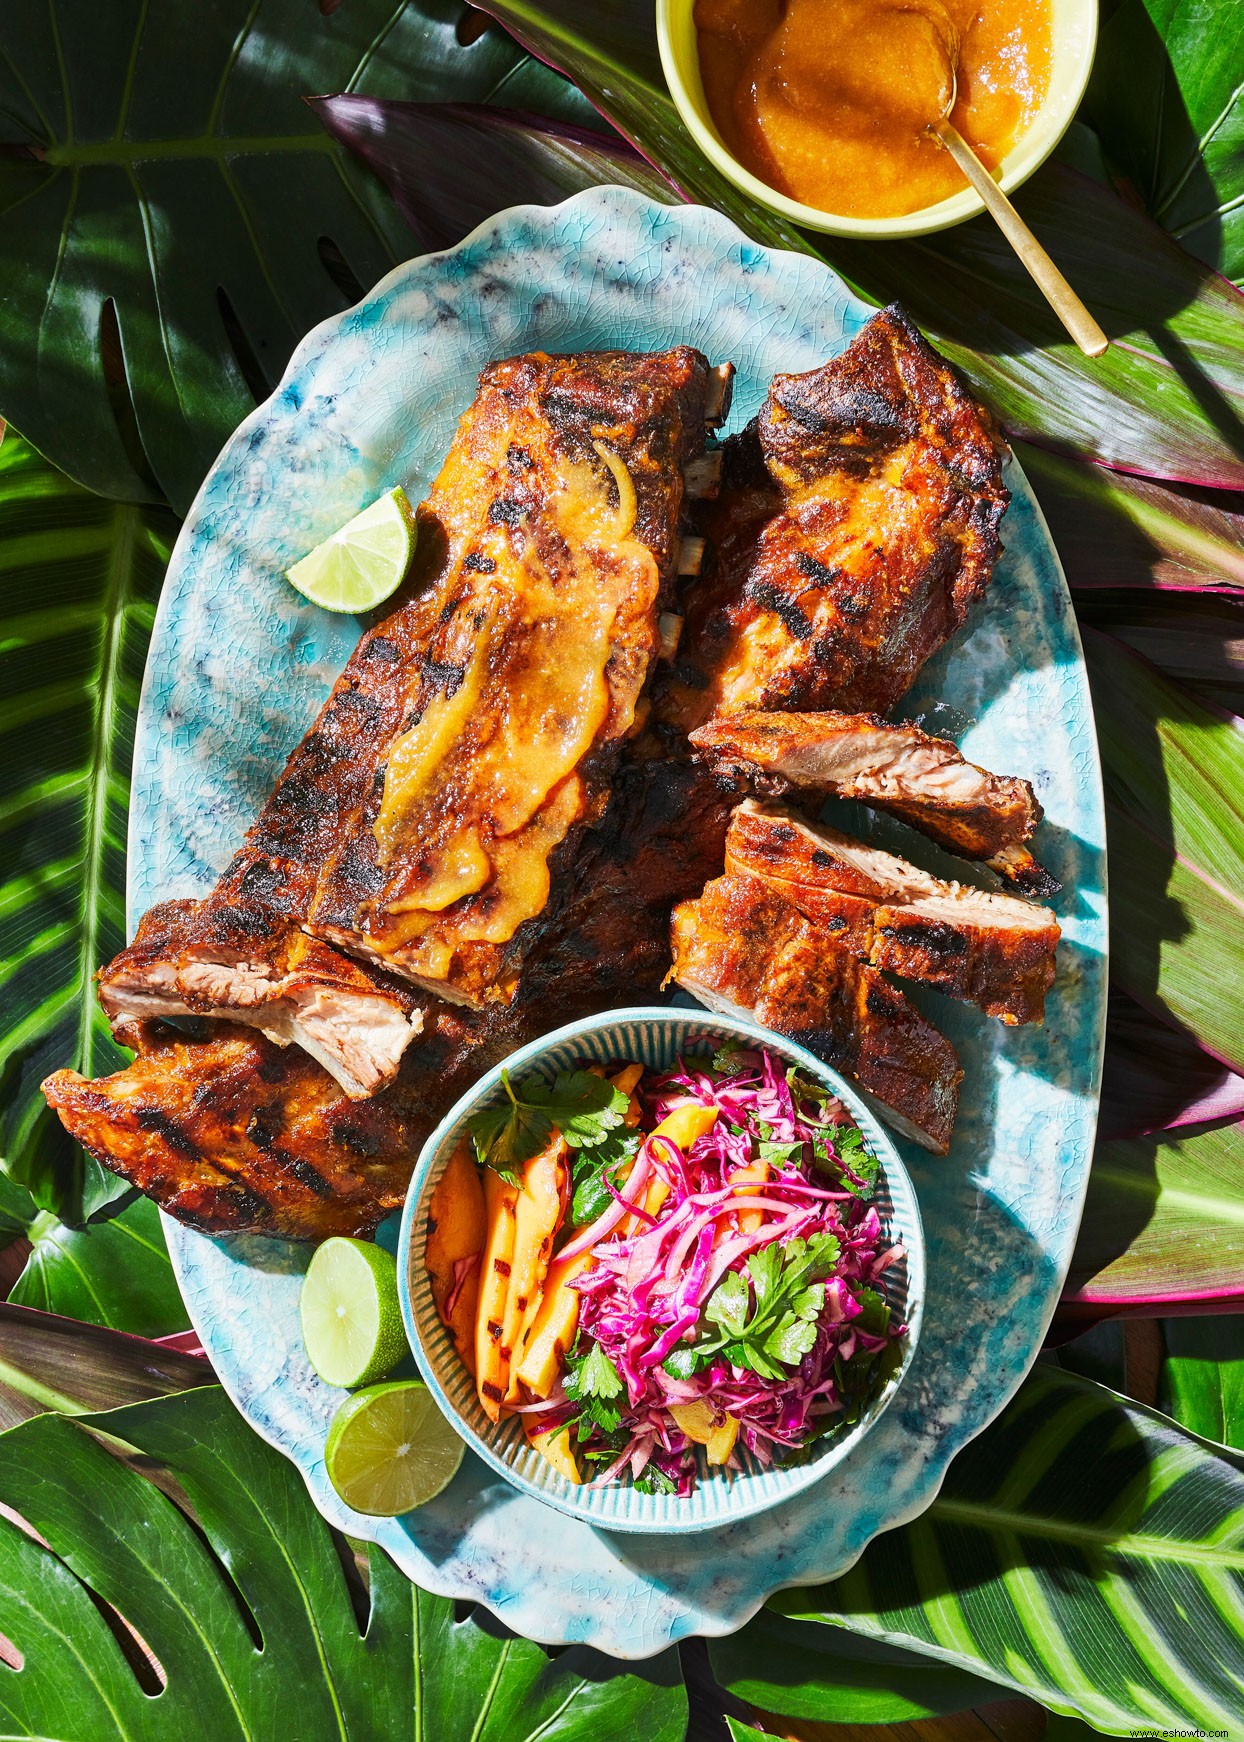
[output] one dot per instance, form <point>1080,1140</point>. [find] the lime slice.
<point>358,567</point>
<point>390,1448</point>
<point>351,1316</point>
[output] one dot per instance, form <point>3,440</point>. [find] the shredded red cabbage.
<point>649,1303</point>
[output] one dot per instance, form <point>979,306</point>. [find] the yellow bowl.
<point>1074,39</point>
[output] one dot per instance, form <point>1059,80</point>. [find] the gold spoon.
<point>1045,275</point>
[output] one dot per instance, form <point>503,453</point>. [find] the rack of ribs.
<point>232,1133</point>
<point>994,951</point>
<point>486,831</point>
<point>856,528</point>
<point>417,827</point>
<point>562,500</point>
<point>899,769</point>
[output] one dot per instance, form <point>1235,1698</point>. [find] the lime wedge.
<point>358,567</point>
<point>351,1316</point>
<point>390,1448</point>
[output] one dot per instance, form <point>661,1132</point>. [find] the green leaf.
<point>766,1266</point>
<point>252,1620</point>
<point>591,1168</point>
<point>1166,399</point>
<point>1163,1220</point>
<point>583,1107</point>
<point>81,581</point>
<point>113,1272</point>
<point>790,1339</point>
<point>1114,530</point>
<point>179,179</point>
<point>1202,1380</point>
<point>50,1362</point>
<point>17,1210</point>
<point>471,147</point>
<point>1083,1550</point>
<point>727,1305</point>
<point>1167,99</point>
<point>1195,639</point>
<point>1174,778</point>
<point>834,1677</point>
<point>595,1377</point>
<point>1156,1078</point>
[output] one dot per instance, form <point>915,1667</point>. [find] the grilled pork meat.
<point>991,950</point>
<point>188,960</point>
<point>560,503</point>
<point>240,952</point>
<point>895,768</point>
<point>857,527</point>
<point>741,947</point>
<point>234,1134</point>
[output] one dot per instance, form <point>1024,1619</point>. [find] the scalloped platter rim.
<point>237,667</point>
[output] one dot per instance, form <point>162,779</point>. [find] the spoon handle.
<point>1048,279</point>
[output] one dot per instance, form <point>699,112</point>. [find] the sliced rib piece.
<point>861,552</point>
<point>561,502</point>
<point>187,959</point>
<point>991,950</point>
<point>894,768</point>
<point>741,947</point>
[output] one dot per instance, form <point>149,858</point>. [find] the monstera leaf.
<point>256,1627</point>
<point>174,218</point>
<point>82,577</point>
<point>1167,399</point>
<point>1167,99</point>
<point>1083,1550</point>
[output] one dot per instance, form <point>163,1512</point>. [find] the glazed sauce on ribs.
<point>828,101</point>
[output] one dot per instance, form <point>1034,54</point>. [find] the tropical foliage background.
<point>185,189</point>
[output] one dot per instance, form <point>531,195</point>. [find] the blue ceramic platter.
<point>238,667</point>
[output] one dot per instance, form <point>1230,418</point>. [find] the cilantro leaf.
<point>583,1106</point>
<point>726,1060</point>
<point>779,1152</point>
<point>764,1268</point>
<point>591,1167</point>
<point>771,1325</point>
<point>507,1136</point>
<point>727,1305</point>
<point>875,1318</point>
<point>791,1339</point>
<point>598,1377</point>
<point>653,1480</point>
<point>686,1360</point>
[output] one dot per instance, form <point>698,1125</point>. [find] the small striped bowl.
<point>653,1037</point>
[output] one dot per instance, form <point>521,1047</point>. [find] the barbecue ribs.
<point>231,1133</point>
<point>560,502</point>
<point>994,951</point>
<point>741,947</point>
<point>895,768</point>
<point>857,527</point>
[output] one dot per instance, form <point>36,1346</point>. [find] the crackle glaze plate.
<point>238,667</point>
